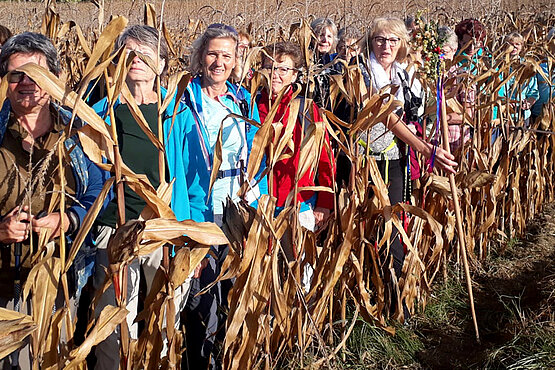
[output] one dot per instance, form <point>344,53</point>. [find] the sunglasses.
<point>16,77</point>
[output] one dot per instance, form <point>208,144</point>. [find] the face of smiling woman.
<point>325,41</point>
<point>25,96</point>
<point>218,61</point>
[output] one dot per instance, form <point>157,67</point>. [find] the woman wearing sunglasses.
<point>31,126</point>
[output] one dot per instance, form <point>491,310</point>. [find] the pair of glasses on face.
<point>381,41</point>
<point>16,77</point>
<point>281,71</point>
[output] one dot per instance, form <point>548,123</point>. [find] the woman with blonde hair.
<point>325,31</point>
<point>386,47</point>
<point>324,47</point>
<point>216,104</point>
<point>524,94</point>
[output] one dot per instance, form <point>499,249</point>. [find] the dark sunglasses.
<point>16,77</point>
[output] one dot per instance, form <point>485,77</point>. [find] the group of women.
<point>209,114</point>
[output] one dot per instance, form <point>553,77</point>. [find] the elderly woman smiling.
<point>212,98</point>
<point>31,125</point>
<point>141,156</point>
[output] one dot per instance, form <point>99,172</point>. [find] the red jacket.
<point>284,171</point>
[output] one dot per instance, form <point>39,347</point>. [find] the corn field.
<point>272,318</point>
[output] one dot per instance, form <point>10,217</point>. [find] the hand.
<point>321,215</point>
<point>527,104</point>
<point>201,266</point>
<point>443,160</point>
<point>51,221</point>
<point>14,227</point>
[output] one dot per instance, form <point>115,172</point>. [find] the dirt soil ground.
<point>515,305</point>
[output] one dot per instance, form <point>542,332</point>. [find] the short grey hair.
<point>30,43</point>
<point>148,36</point>
<point>320,24</point>
<point>449,36</point>
<point>217,31</point>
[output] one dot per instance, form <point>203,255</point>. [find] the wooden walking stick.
<point>458,216</point>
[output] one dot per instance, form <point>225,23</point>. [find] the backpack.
<point>412,102</point>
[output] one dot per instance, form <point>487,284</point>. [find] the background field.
<point>263,14</point>
<point>513,277</point>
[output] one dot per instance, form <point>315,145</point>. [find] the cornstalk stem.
<point>124,330</point>
<point>162,164</point>
<point>458,217</point>
<point>69,324</point>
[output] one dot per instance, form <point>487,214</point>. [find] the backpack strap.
<point>4,118</point>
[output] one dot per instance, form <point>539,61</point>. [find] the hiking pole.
<point>458,216</point>
<point>14,356</point>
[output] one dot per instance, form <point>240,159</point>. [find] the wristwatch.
<point>74,222</point>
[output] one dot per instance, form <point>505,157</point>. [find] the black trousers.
<point>396,187</point>
<point>205,316</point>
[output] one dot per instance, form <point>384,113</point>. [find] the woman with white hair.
<point>450,43</point>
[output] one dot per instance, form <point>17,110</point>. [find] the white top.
<point>233,144</point>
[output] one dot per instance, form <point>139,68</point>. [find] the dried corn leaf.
<point>109,319</point>
<point>14,328</point>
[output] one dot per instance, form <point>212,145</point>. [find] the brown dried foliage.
<point>273,315</point>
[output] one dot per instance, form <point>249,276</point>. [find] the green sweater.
<point>139,154</point>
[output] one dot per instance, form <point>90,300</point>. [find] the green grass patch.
<point>371,347</point>
<point>448,304</point>
<point>532,347</point>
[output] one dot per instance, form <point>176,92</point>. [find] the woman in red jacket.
<point>283,60</point>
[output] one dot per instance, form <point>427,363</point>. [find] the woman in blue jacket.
<point>213,100</point>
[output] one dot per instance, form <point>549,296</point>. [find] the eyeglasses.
<point>281,71</point>
<point>381,41</point>
<point>16,77</point>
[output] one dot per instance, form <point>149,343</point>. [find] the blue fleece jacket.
<point>193,99</point>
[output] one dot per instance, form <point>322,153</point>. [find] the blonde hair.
<point>214,31</point>
<point>396,27</point>
<point>515,36</point>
